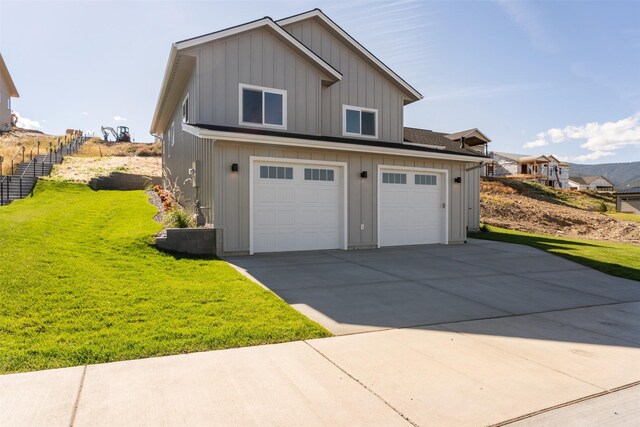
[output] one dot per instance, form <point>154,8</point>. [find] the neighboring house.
<point>7,91</point>
<point>544,169</point>
<point>628,200</point>
<point>291,136</point>
<point>594,183</point>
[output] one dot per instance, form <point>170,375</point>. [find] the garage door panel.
<point>411,211</point>
<point>297,213</point>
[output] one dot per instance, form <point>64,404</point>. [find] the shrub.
<point>177,218</point>
<point>602,207</point>
<point>484,228</point>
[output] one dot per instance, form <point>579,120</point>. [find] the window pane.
<point>316,174</point>
<point>251,106</point>
<point>264,172</point>
<point>307,174</point>
<point>434,180</point>
<point>273,108</point>
<point>368,123</point>
<point>280,172</point>
<point>353,121</point>
<point>272,172</point>
<point>385,178</point>
<point>289,174</point>
<point>330,175</point>
<point>323,174</point>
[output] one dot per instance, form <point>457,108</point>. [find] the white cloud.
<point>525,14</point>
<point>84,113</point>
<point>26,123</point>
<point>599,139</point>
<point>119,118</point>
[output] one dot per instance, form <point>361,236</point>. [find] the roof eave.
<point>13,91</point>
<point>155,122</point>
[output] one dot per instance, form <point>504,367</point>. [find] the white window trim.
<point>445,193</point>
<point>185,102</point>
<point>282,92</point>
<point>360,109</point>
<point>302,162</point>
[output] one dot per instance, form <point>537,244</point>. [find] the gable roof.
<point>13,92</point>
<point>472,136</point>
<point>337,31</point>
<point>587,180</point>
<point>179,67</point>
<point>438,139</point>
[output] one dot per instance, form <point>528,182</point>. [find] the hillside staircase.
<point>24,175</point>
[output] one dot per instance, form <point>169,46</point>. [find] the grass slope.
<point>80,283</point>
<point>618,259</point>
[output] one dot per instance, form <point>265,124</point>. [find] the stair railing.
<point>26,169</point>
<point>15,156</point>
<point>6,180</point>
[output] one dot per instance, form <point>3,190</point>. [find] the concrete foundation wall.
<point>192,241</point>
<point>123,181</point>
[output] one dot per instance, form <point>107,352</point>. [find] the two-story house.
<point>544,169</point>
<point>290,134</point>
<point>7,91</point>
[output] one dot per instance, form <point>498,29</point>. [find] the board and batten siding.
<point>179,151</point>
<point>231,192</point>
<point>472,183</point>
<point>255,58</point>
<point>361,84</point>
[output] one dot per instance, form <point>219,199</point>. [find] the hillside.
<point>620,174</point>
<point>538,209</point>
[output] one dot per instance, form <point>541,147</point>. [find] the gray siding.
<point>473,197</point>
<point>178,158</point>
<point>256,58</point>
<point>232,190</point>
<point>360,86</point>
<point>5,111</point>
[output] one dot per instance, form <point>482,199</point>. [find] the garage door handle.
<point>444,205</point>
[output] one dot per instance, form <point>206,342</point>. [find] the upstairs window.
<point>357,121</point>
<point>185,109</point>
<point>261,106</point>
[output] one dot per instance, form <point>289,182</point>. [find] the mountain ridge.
<point>621,175</point>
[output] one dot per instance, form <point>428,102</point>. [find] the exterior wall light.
<point>234,167</point>
<point>458,180</point>
<point>363,174</point>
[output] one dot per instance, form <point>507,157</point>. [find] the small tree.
<point>602,207</point>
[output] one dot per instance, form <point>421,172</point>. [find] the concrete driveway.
<point>482,334</point>
<point>359,291</point>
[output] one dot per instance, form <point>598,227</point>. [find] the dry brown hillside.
<point>538,209</point>
<point>12,141</point>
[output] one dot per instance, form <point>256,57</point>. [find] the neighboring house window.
<point>357,121</point>
<point>394,178</point>
<point>426,180</point>
<point>318,174</point>
<point>185,109</point>
<point>261,106</point>
<point>276,172</point>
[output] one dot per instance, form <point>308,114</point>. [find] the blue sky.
<point>548,77</point>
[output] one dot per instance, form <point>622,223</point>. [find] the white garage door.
<point>296,207</point>
<point>411,207</point>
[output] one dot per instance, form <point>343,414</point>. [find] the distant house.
<point>544,169</point>
<point>594,183</point>
<point>628,200</point>
<point>7,91</point>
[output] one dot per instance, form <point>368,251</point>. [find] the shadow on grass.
<point>181,255</point>
<point>560,247</point>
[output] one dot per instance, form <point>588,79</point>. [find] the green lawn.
<point>81,283</point>
<point>625,216</point>
<point>618,259</point>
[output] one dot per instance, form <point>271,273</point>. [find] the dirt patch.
<point>505,205</point>
<point>82,169</point>
<point>95,147</point>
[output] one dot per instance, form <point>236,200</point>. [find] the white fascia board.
<point>265,22</point>
<point>325,145</point>
<point>318,14</point>
<point>173,53</point>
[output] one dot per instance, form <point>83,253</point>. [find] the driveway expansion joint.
<point>74,411</point>
<point>382,399</point>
